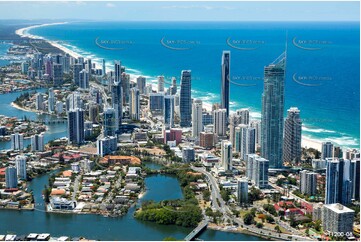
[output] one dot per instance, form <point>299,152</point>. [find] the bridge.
<point>197,230</point>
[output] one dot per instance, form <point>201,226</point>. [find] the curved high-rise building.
<point>225,78</point>
<point>272,111</point>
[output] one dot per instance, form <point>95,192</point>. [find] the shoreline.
<point>306,142</point>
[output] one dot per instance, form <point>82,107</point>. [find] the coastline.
<point>306,142</point>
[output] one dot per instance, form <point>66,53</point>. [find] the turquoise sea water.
<point>323,67</point>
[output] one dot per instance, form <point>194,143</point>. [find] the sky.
<point>183,11</point>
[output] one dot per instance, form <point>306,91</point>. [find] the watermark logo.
<point>301,121</point>
<point>180,44</point>
<point>310,81</point>
<point>246,81</point>
<point>113,44</point>
<point>310,44</point>
<point>244,44</point>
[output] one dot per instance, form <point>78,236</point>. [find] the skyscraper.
<point>272,111</point>
<point>109,122</point>
<point>84,79</point>
<point>220,122</point>
<point>17,141</point>
<point>20,162</point>
<point>117,71</point>
<point>327,150</point>
<point>234,121</point>
<point>292,136</point>
<point>244,140</point>
<point>125,82</point>
<point>106,145</point>
<point>57,74</point>
<point>117,100</point>
<point>73,101</point>
<point>256,124</point>
<point>225,78</point>
<point>339,183</point>
<point>168,112</point>
<point>37,142</point>
<point>242,192</point>
<point>156,103</point>
<point>173,88</point>
<point>76,69</point>
<point>76,126</point>
<point>185,104</point>
<point>141,83</point>
<point>355,173</point>
<point>103,68</point>
<point>160,84</point>
<point>197,124</point>
<point>94,112</point>
<point>11,178</point>
<point>308,182</point>
<point>39,104</point>
<point>243,114</point>
<point>226,155</point>
<point>51,101</point>
<point>337,219</point>
<point>134,106</point>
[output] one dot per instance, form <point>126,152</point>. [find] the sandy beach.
<point>23,32</point>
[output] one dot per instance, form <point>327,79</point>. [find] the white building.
<point>244,140</point>
<point>197,124</point>
<point>37,142</point>
<point>226,155</point>
<point>257,170</point>
<point>220,122</point>
<point>308,182</point>
<point>17,141</point>
<point>59,107</point>
<point>337,218</point>
<point>160,84</point>
<point>20,162</point>
<point>107,145</point>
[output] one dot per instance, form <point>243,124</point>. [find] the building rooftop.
<point>338,208</point>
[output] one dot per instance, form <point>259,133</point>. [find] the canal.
<point>158,187</point>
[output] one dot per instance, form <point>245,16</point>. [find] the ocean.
<point>323,63</point>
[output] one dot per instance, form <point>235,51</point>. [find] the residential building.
<point>272,112</point>
<point>292,136</point>
<point>185,102</point>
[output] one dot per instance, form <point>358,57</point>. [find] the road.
<point>225,210</point>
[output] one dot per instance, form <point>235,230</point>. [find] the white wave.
<point>317,130</point>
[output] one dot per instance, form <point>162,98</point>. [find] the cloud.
<point>110,5</point>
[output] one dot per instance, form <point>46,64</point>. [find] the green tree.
<point>248,218</point>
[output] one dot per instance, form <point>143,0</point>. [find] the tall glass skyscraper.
<point>109,124</point>
<point>185,102</point>
<point>117,103</point>
<point>76,126</point>
<point>272,111</point>
<point>168,111</point>
<point>117,70</point>
<point>226,59</point>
